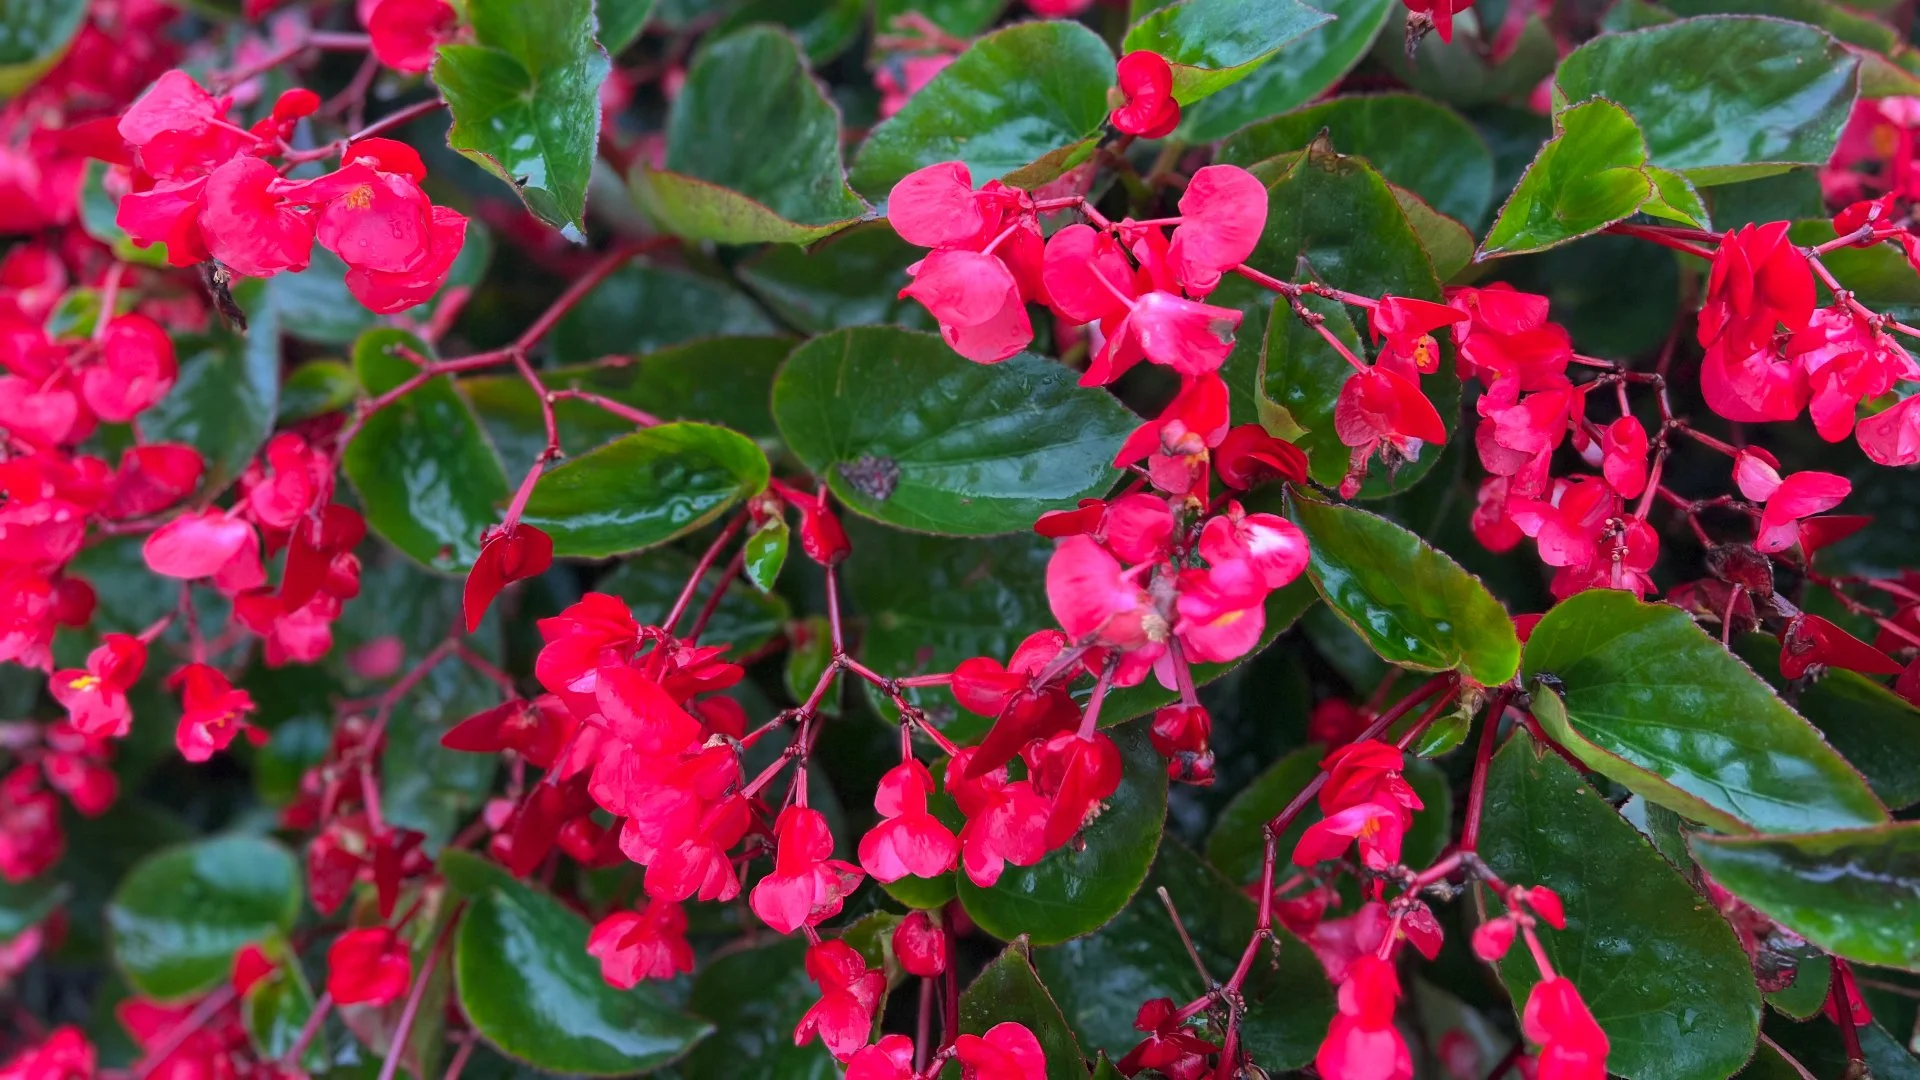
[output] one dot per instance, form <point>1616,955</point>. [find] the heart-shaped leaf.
<point>526,982</point>
<point>1303,70</point>
<point>525,100</point>
<point>1009,991</point>
<point>1875,729</point>
<point>645,489</point>
<point>1072,892</point>
<point>37,36</point>
<point>1139,956</point>
<point>1722,98</point>
<point>1213,44</point>
<point>642,308</point>
<point>427,478</point>
<point>1854,893</point>
<point>179,916</point>
<point>753,149</point>
<point>908,432</point>
<point>1640,693</point>
<point>988,111</point>
<point>1662,972</point>
<point>1588,176</point>
<point>1412,603</point>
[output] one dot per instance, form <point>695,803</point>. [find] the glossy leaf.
<point>1072,892</point>
<point>1008,990</point>
<point>1854,893</point>
<point>908,432</point>
<point>424,785</point>
<point>642,308</point>
<point>851,279</point>
<point>1415,143</point>
<point>1885,60</point>
<point>753,149</point>
<point>824,28</point>
<point>525,100</point>
<point>1298,381</point>
<point>745,619</point>
<point>1662,972</point>
<point>317,388</point>
<point>988,111</point>
<point>37,33</point>
<point>754,997</point>
<point>1100,979</point>
<point>1412,603</point>
<point>1588,176</point>
<point>1722,98</point>
<point>645,489</point>
<point>178,917</point>
<point>1213,44</point>
<point>23,905</point>
<point>1646,697</point>
<point>225,397</point>
<point>1237,844</point>
<point>620,22</point>
<point>1875,729</point>
<point>764,553</point>
<point>428,481</point>
<point>526,982</point>
<point>1303,70</point>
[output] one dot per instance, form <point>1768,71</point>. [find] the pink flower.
<point>646,944</point>
<point>920,945</point>
<point>1147,81</point>
<point>1408,327</point>
<point>1624,456</point>
<point>849,996</point>
<point>135,371</point>
<point>96,699</point>
<point>212,712</point>
<point>1222,611</point>
<point>1222,212</point>
<point>405,33</point>
<point>976,301</point>
<point>1892,437</point>
<point>1006,822</point>
<point>909,840</point>
<point>1274,547</point>
<point>1378,830</point>
<point>1092,596</point>
<point>806,885</point>
<point>1572,1045</point>
<point>384,293</point>
<point>1362,1042</point>
<point>506,555</point>
<point>1008,1051</point>
<point>177,130</point>
<point>889,1059</point>
<point>1380,407</point>
<point>200,545</point>
<point>1785,500</point>
<point>369,966</point>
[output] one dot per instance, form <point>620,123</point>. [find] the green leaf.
<point>1722,98</point>
<point>745,619</point>
<point>1854,893</point>
<point>1139,956</point>
<point>753,149</point>
<point>1299,380</point>
<point>1331,218</point>
<point>765,553</point>
<point>1237,844</point>
<point>1662,972</point>
<point>810,651</point>
<point>1815,1046</point>
<point>851,279</point>
<point>988,111</point>
<point>1072,892</point>
<point>526,982</point>
<point>1640,693</point>
<point>1415,143</point>
<point>621,22</point>
<point>22,906</point>
<point>1878,276</point>
<point>276,1009</point>
<point>98,212</point>
<point>424,785</point>
<point>315,305</point>
<point>317,388</point>
<point>824,28</point>
<point>754,997</point>
<point>1675,199</point>
<point>963,18</point>
<point>642,308</point>
<point>1412,603</point>
<point>646,489</point>
<point>1885,60</point>
<point>1875,729</point>
<point>36,35</point>
<point>1461,73</point>
<point>525,101</point>
<point>908,432</point>
<point>223,402</point>
<point>180,915</point>
<point>1213,44</point>
<point>427,478</point>
<point>1588,176</point>
<point>1008,991</point>
<point>1303,70</point>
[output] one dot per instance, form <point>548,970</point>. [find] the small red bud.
<point>920,945</point>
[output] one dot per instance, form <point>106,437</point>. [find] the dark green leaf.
<point>317,388</point>
<point>525,100</point>
<point>1237,844</point>
<point>645,489</point>
<point>1662,972</point>
<point>851,279</point>
<point>1875,729</point>
<point>1072,892</point>
<point>276,1009</point>
<point>424,785</point>
<point>745,619</point>
<point>314,304</point>
<point>1461,73</point>
<point>824,28</point>
<point>988,111</point>
<point>179,916</point>
<point>36,35</point>
<point>1304,69</point>
<point>1415,143</point>
<point>1788,196</point>
<point>1812,979</point>
<point>1139,956</point>
<point>807,659</point>
<point>1298,382</point>
<point>98,210</point>
<point>1882,53</point>
<point>1650,700</point>
<point>1617,295</point>
<point>224,401</point>
<point>1722,98</point>
<point>754,997</point>
<point>428,480</point>
<point>1412,603</point>
<point>909,432</point>
<point>22,906</point>
<point>1588,176</point>
<point>1008,991</point>
<point>753,149</point>
<point>961,17</point>
<point>1879,276</point>
<point>642,308</point>
<point>1815,1046</point>
<point>1854,893</point>
<point>1213,44</point>
<point>526,982</point>
<point>621,22</point>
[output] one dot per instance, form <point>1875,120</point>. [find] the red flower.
<point>507,554</point>
<point>1408,327</point>
<point>383,292</point>
<point>1008,1051</point>
<point>1075,774</point>
<point>1222,611</point>
<point>136,369</point>
<point>1362,1042</point>
<point>1624,456</point>
<point>536,730</point>
<point>1507,335</point>
<point>1759,281</point>
<point>96,699</point>
<point>976,301</point>
<point>287,483</point>
<point>251,228</point>
<point>200,545</point>
<point>889,1059</point>
<point>1171,1049</point>
<point>64,1055</point>
<point>1006,822</point>
<point>1377,829</point>
<point>986,259</point>
<point>406,33</point>
<point>1274,547</point>
<point>849,996</point>
<point>1572,1046</point>
<point>646,944</point>
<point>153,478</point>
<point>1092,596</point>
<point>1367,772</point>
<point>368,966</point>
<point>1089,280</point>
<point>1222,213</point>
<point>1892,437</point>
<point>1810,640</point>
<point>30,836</point>
<point>920,945</point>
<point>177,130</point>
<point>1147,81</point>
<point>1381,407</point>
<point>806,884</point>
<point>1492,939</point>
<point>212,712</point>
<point>1785,500</point>
<point>909,840</point>
<point>251,966</point>
<point>1249,455</point>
